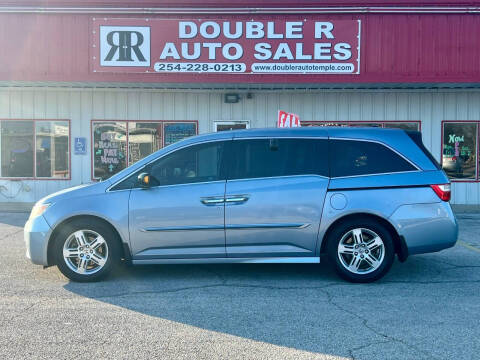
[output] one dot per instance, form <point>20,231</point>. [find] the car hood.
<point>76,191</point>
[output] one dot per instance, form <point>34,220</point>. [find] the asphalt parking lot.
<point>426,308</point>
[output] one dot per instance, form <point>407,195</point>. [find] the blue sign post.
<point>80,146</point>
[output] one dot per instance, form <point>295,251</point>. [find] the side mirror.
<point>145,180</point>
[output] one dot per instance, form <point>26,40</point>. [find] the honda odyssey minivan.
<point>359,196</point>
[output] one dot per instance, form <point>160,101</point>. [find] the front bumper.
<point>426,227</point>
<point>36,234</point>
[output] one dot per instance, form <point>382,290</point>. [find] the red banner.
<point>286,119</point>
<point>258,46</point>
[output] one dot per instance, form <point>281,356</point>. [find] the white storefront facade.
<point>70,113</point>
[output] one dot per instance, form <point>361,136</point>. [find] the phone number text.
<point>200,67</point>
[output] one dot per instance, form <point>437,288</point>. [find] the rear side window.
<point>350,158</point>
<point>416,136</point>
<point>255,158</point>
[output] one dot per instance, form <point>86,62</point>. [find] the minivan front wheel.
<point>86,250</point>
<point>361,250</point>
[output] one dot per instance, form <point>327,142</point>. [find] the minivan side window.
<point>256,158</point>
<point>193,164</point>
<point>196,163</point>
<point>351,157</point>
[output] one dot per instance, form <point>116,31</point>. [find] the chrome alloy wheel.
<point>361,251</point>
<point>85,252</point>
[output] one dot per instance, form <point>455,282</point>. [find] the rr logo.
<point>124,46</point>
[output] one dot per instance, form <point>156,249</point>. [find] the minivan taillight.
<point>443,191</point>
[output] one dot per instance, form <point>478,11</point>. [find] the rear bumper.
<point>36,234</point>
<point>426,227</point>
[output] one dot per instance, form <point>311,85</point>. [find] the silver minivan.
<point>359,196</point>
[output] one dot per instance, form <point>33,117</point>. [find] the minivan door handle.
<point>236,199</point>
<point>212,201</point>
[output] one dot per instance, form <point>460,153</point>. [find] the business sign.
<point>296,46</point>
<point>125,46</point>
<point>286,119</point>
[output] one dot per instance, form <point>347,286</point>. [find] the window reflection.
<point>143,139</point>
<point>362,124</point>
<point>52,150</point>
<point>412,126</point>
<point>459,150</point>
<point>17,148</point>
<point>110,142</point>
<point>405,125</point>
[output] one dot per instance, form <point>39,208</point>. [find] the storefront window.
<point>362,124</point>
<point>459,150</point>
<point>118,144</point>
<point>412,126</point>
<point>231,125</point>
<point>405,125</point>
<point>52,153</point>
<point>178,131</point>
<point>110,148</point>
<point>322,123</point>
<point>144,138</point>
<point>17,148</point>
<point>34,149</point>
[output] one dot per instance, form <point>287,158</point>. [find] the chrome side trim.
<point>209,201</point>
<point>228,227</point>
<point>236,199</point>
<point>266,226</point>
<point>183,228</point>
<point>260,260</point>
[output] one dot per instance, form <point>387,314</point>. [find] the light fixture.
<point>231,98</point>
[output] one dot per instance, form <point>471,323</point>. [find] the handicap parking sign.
<point>80,145</point>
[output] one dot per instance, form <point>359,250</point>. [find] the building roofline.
<point>145,7</point>
<point>242,4</point>
<point>241,87</point>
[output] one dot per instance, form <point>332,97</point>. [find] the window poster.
<point>110,143</point>
<point>459,150</point>
<point>174,132</point>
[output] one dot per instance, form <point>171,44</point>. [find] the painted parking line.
<point>468,246</point>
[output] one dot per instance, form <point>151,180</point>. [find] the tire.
<point>361,259</point>
<point>86,250</point>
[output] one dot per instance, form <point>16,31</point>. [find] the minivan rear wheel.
<point>361,250</point>
<point>86,250</point>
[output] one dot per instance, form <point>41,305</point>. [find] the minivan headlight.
<point>38,210</point>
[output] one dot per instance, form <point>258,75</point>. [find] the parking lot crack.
<point>27,308</point>
<point>362,347</point>
<point>165,291</point>
<point>431,282</point>
<point>365,323</point>
<point>218,285</point>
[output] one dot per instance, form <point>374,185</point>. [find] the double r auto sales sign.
<point>272,46</point>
